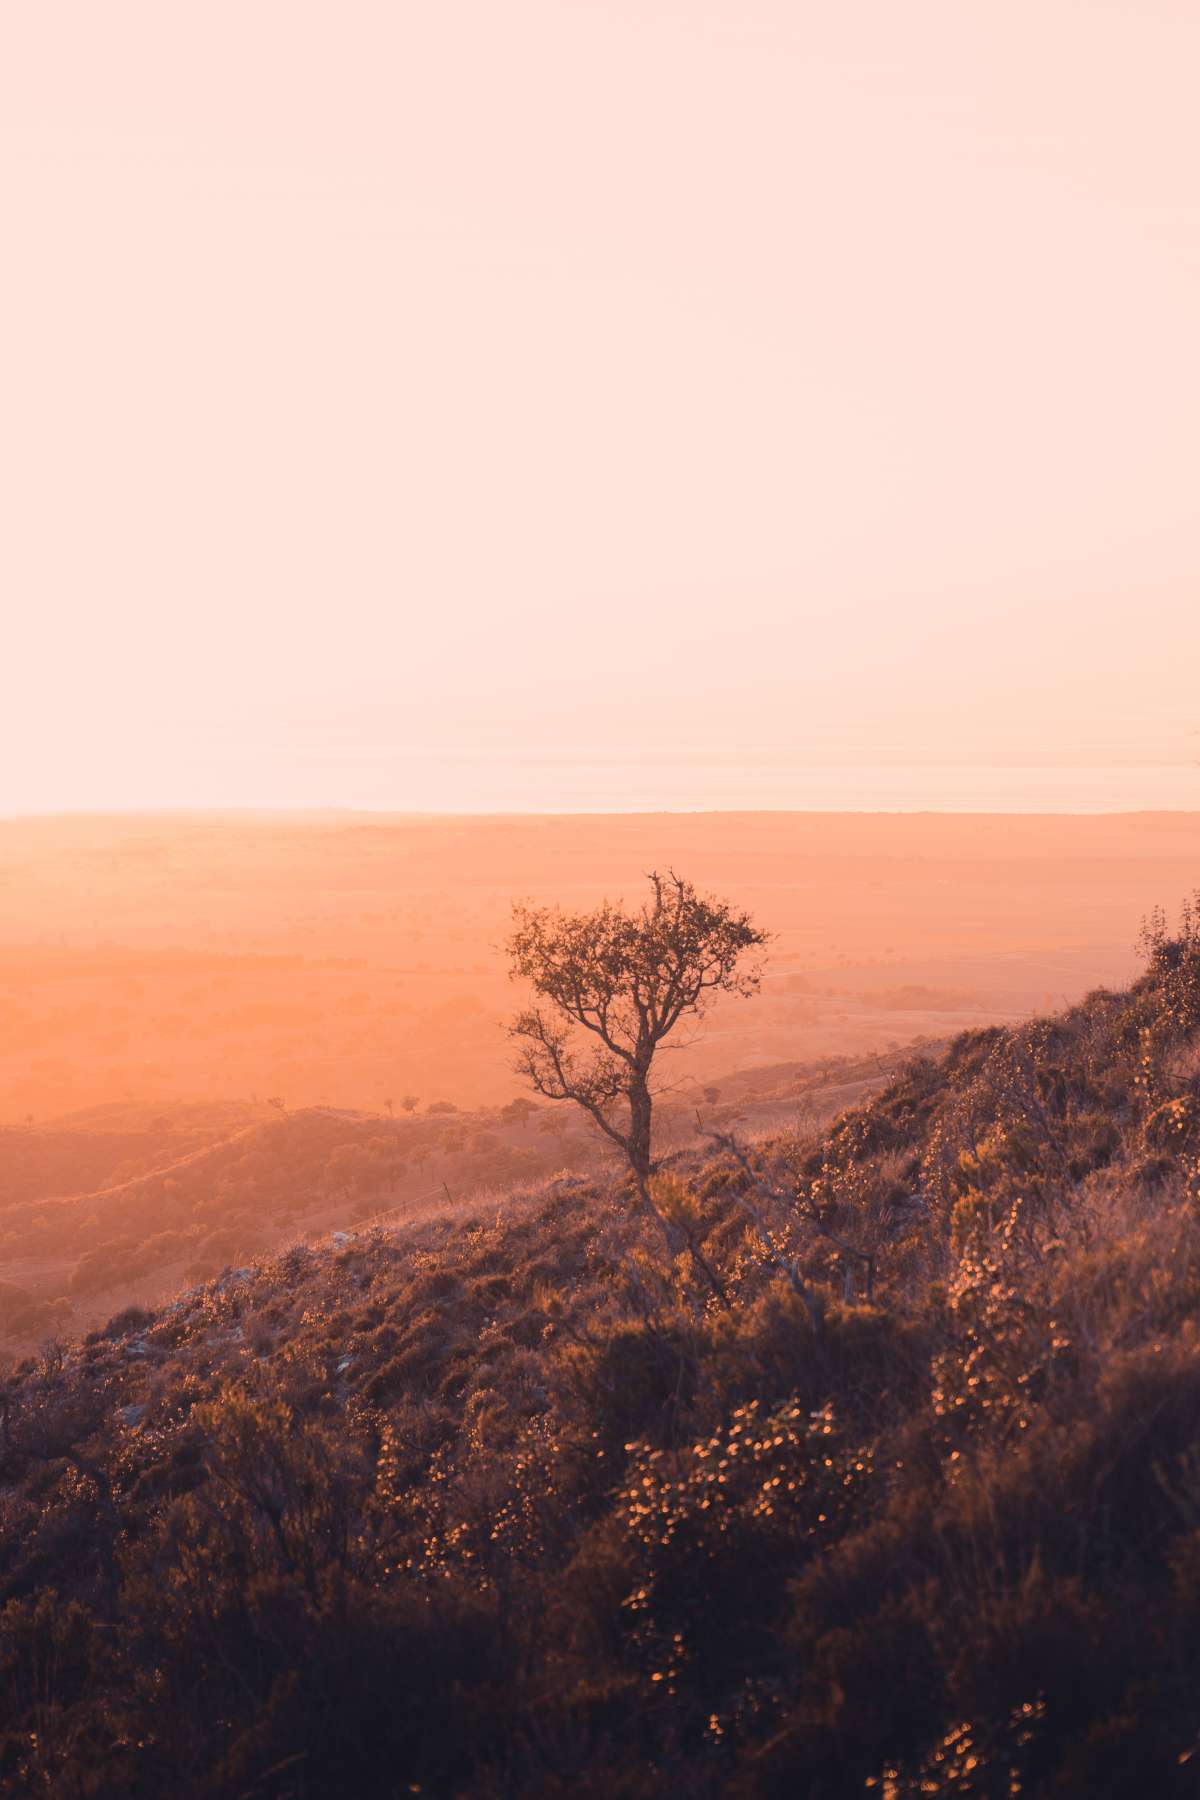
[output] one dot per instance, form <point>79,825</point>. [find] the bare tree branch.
<point>787,1265</point>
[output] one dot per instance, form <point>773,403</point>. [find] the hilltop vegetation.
<point>510,1505</point>
<point>125,1204</point>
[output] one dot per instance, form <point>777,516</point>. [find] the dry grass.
<point>505,1504</point>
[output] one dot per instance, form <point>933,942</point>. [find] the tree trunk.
<point>639,1127</point>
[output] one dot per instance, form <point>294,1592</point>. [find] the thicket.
<point>517,1507</point>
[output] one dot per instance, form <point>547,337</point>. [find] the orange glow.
<point>333,960</point>
<point>505,407</point>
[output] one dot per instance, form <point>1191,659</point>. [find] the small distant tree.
<point>613,984</point>
<point>410,1102</point>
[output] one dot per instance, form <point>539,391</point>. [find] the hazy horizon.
<point>577,786</point>
<point>402,404</point>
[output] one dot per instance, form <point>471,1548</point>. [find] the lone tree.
<point>614,984</point>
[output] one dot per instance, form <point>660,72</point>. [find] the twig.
<point>725,1140</point>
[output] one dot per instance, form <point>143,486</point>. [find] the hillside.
<point>124,1204</point>
<point>508,1503</point>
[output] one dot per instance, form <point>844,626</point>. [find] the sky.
<point>408,405</point>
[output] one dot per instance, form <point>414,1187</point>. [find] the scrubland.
<point>507,1503</point>
<point>127,1203</point>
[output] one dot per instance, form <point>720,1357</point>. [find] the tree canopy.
<point>613,983</point>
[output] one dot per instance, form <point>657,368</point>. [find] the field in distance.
<point>349,960</point>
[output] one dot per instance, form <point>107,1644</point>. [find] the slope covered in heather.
<point>123,1205</point>
<point>515,1504</point>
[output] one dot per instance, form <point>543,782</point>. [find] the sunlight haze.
<point>507,407</point>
